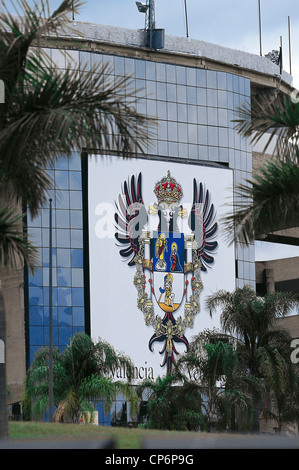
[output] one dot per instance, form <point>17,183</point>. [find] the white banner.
<point>156,252</point>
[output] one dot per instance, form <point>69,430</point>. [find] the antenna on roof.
<point>154,38</point>
<point>260,27</point>
<point>290,52</point>
<point>186,17</point>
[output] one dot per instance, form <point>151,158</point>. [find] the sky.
<point>230,23</point>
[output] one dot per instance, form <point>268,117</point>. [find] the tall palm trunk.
<point>4,435</point>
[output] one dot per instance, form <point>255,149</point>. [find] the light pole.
<point>50,319</point>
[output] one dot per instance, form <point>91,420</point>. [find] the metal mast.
<point>150,22</point>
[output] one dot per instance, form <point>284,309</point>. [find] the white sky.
<point>230,23</point>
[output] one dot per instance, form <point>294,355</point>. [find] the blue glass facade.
<point>67,259</point>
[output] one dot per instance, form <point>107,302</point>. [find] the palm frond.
<point>15,248</point>
<point>271,203</point>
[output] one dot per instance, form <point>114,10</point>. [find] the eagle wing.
<point>202,223</point>
<point>130,217</point>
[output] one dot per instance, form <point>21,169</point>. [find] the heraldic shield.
<point>168,263</point>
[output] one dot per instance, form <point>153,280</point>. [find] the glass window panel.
<point>182,132</point>
<point>191,76</point>
<point>54,314</point>
<point>78,296</point>
<point>162,147</point>
<point>192,114</point>
<point>236,83</point>
<point>47,296</point>
<point>212,135</point>
<point>63,277</point>
<point>150,69</point>
<point>35,222</point>
<point>63,200</point>
<point>78,316</point>
<point>36,279</point>
<point>77,277</point>
<point>192,133</point>
<point>173,149</point>
<point>201,96</point>
<point>161,91</point>
<point>45,217</point>
<point>76,199</point>
<point>182,93</point>
<point>96,59</point>
<point>222,117</point>
<point>85,62</point>
<point>75,180</point>
<point>202,115</point>
<point>229,81</point>
<point>161,72</point>
<point>63,238</point>
<point>65,316</point>
<point>36,335</point>
<point>201,78</point>
<point>151,90</point>
<point>36,315</point>
<point>212,98</point>
<point>212,116</point>
<point>222,99</point>
<point>45,254</point>
<point>35,295</point>
<point>76,238</point>
<point>162,130</point>
<point>140,88</point>
<point>62,218</point>
<point>193,151</point>
<point>223,137</point>
<point>171,92</point>
<point>202,135</point>
<point>58,58</point>
<point>119,65</point>
<point>172,130</point>
<point>35,235</point>
<point>172,111</point>
<point>76,219</point>
<point>221,78</point>
<point>46,277</point>
<point>140,69</point>
<point>181,75</point>
<point>129,66</point>
<point>65,335</point>
<point>75,161</point>
<point>170,73</point>
<point>191,95</point>
<point>211,79</point>
<point>62,163</point>
<point>45,237</point>
<point>182,112</point>
<point>161,110</point>
<point>151,108</point>
<point>213,153</point>
<point>77,258</point>
<point>63,257</point>
<point>55,336</point>
<point>64,296</point>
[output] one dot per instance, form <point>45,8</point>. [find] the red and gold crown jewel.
<point>168,190</point>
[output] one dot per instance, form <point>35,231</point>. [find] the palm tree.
<point>225,385</point>
<point>263,346</point>
<point>82,373</point>
<point>173,402</point>
<point>271,200</point>
<point>48,113</point>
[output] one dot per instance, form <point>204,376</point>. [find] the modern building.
<point>193,89</point>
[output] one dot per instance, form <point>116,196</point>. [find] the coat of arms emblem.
<point>168,262</point>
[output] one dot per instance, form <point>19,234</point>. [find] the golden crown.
<point>168,190</point>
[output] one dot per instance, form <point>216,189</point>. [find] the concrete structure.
<point>193,90</point>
